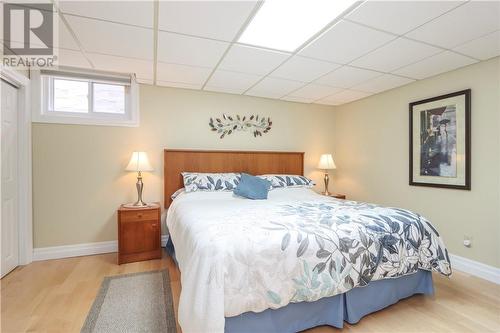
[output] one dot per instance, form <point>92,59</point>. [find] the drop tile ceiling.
<point>400,51</point>
<point>252,60</point>
<point>382,83</point>
<point>210,19</point>
<point>186,50</point>
<point>303,69</point>
<point>345,42</point>
<point>440,63</point>
<point>400,17</point>
<point>467,22</point>
<point>482,48</point>
<point>347,76</point>
<point>231,82</point>
<point>376,46</point>
<point>314,92</point>
<point>274,88</point>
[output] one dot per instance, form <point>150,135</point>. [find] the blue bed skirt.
<point>333,311</point>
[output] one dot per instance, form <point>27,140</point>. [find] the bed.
<point>291,262</point>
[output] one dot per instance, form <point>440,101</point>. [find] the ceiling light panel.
<point>287,24</point>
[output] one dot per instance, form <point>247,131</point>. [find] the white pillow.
<point>278,181</point>
<point>197,181</point>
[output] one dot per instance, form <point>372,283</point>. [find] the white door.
<point>9,181</point>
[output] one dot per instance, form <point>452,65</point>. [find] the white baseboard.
<point>77,250</point>
<point>475,268</point>
<point>458,263</point>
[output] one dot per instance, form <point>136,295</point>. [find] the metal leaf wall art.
<point>228,125</point>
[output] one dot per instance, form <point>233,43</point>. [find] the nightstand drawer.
<point>142,215</point>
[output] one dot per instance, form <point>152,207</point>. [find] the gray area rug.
<point>140,302</point>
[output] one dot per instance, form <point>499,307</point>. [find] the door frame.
<point>25,205</point>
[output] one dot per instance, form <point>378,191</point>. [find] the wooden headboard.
<point>176,161</point>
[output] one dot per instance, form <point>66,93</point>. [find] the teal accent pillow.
<point>252,187</point>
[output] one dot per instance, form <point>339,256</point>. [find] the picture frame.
<point>440,141</point>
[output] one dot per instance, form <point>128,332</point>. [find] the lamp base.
<point>138,206</point>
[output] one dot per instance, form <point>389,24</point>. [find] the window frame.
<point>43,110</point>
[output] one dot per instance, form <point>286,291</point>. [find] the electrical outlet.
<point>467,241</point>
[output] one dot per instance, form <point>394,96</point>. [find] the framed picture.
<point>440,141</point>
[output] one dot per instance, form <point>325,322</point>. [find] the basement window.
<point>86,98</point>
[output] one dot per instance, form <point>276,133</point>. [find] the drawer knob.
<point>139,215</point>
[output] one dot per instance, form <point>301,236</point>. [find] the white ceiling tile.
<point>382,83</point>
<point>212,19</point>
<point>233,82</point>
<point>179,85</point>
<point>70,58</point>
<point>193,51</point>
<point>467,22</point>
<point>112,38</point>
<point>274,88</point>
<point>66,39</point>
<point>344,42</point>
<point>483,48</point>
<point>346,77</point>
<point>252,60</point>
<point>399,17</point>
<point>440,63</point>
<point>141,68</point>
<point>227,90</point>
<point>129,12</point>
<point>345,96</point>
<point>396,54</point>
<point>314,91</point>
<point>298,99</point>
<point>303,69</point>
<point>325,101</point>
<point>190,75</point>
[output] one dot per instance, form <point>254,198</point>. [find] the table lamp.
<point>326,163</point>
<point>139,162</point>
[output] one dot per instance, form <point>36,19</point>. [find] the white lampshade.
<point>326,162</point>
<point>139,162</point>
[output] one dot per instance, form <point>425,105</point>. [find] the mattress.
<point>238,255</point>
<point>332,311</point>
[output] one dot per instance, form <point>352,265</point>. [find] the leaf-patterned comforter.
<point>237,255</point>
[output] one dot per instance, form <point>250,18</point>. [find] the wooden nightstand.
<point>139,234</point>
<point>337,196</point>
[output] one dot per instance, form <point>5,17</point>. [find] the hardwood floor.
<point>56,295</point>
